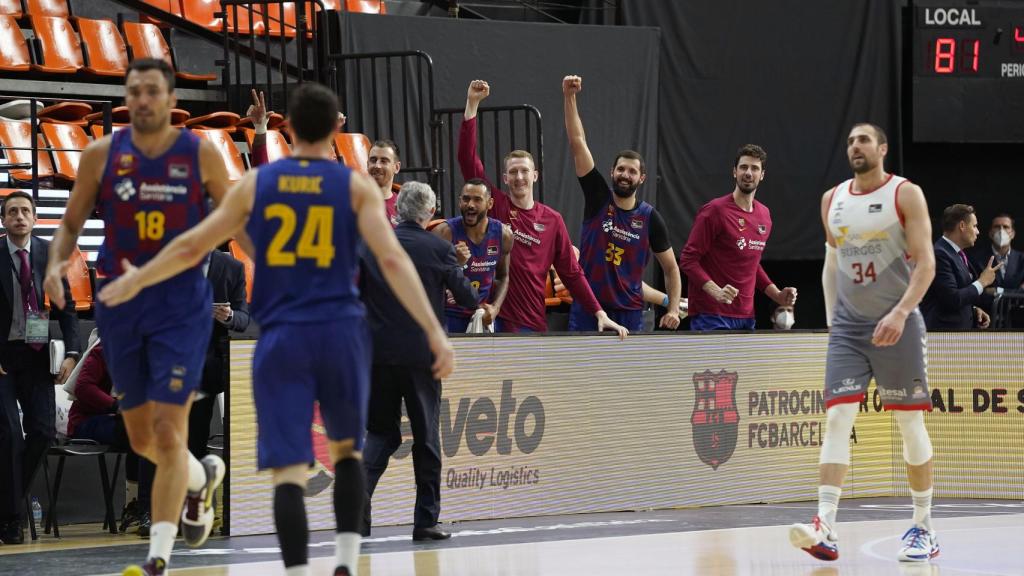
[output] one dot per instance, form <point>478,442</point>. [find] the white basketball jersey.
<point>871,246</point>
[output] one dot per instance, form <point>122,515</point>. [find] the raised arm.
<point>584,160</point>
<point>80,205</point>
<point>469,160</point>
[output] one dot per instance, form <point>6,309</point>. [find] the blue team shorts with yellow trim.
<point>155,345</point>
<point>298,364</point>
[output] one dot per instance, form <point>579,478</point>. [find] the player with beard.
<point>722,257</point>
<point>539,231</point>
<point>879,262</point>
<point>382,165</point>
<point>483,244</point>
<point>619,232</point>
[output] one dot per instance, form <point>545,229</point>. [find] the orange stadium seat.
<point>19,134</point>
<point>61,49</point>
<point>277,24</point>
<point>228,151</point>
<point>11,8</point>
<point>78,274</point>
<point>66,113</point>
<point>250,268</point>
<point>97,130</point>
<point>146,41</point>
<point>13,47</point>
<point>57,8</point>
<point>354,149</point>
<point>104,48</point>
<point>66,136</point>
<point>119,117</point>
<point>202,13</point>
<point>169,6</point>
<point>214,121</point>
<point>365,6</point>
<point>277,146</point>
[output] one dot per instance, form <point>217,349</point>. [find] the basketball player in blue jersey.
<point>620,232</point>
<point>483,244</point>
<point>150,183</point>
<point>305,216</point>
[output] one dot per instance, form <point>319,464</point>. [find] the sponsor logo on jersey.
<point>874,208</point>
<point>762,229</point>
<point>525,237</point>
<point>177,170</point>
<point>741,243</point>
<point>742,223</point>
<point>124,189</point>
<point>636,223</point>
<point>492,250</point>
<point>715,419</point>
<point>538,226</point>
<point>125,164</point>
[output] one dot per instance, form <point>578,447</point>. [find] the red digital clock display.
<point>954,56</point>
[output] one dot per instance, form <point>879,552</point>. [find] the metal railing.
<point>500,129</point>
<point>34,134</point>
<point>390,95</point>
<point>301,52</point>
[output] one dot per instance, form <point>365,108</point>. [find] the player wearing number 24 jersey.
<point>305,217</point>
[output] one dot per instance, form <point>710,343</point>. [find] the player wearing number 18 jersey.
<point>879,264</point>
<point>305,215</point>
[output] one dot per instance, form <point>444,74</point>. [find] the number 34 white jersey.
<point>871,246</point>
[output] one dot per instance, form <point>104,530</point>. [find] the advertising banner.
<point>575,424</point>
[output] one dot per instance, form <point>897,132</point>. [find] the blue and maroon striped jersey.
<point>615,250</point>
<point>482,263</point>
<point>146,202</point>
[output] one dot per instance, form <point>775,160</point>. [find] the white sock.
<point>346,550</point>
<point>131,491</point>
<point>302,570</point>
<point>196,474</point>
<point>161,540</point>
<point>922,507</point>
<point>828,503</point>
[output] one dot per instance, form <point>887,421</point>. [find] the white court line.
<point>867,548</point>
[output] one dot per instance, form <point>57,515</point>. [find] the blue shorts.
<point>709,322</point>
<point>296,365</point>
<point>457,324</point>
<point>582,321</point>
<point>155,345</point>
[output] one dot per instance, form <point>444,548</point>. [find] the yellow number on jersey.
<point>315,242</point>
<point>613,254</point>
<point>151,225</point>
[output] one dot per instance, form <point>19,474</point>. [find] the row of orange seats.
<point>279,19</point>
<point>97,47</point>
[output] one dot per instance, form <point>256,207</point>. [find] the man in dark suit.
<point>1011,275</point>
<point>25,359</point>
<point>230,312</point>
<point>402,359</point>
<point>956,296</point>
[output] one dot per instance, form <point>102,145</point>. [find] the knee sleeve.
<point>835,447</point>
<point>917,445</point>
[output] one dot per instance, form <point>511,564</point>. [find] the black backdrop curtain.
<point>792,76</point>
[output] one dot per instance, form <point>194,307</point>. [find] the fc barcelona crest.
<point>715,419</point>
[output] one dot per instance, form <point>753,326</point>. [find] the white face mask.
<point>784,320</point>
<point>1001,238</point>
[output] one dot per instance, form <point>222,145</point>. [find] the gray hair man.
<point>402,359</point>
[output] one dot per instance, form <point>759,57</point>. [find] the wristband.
<point>664,303</point>
<point>261,127</point>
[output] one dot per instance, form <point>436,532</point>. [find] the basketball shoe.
<point>197,517</point>
<point>817,539</point>
<point>919,545</point>
<point>152,567</point>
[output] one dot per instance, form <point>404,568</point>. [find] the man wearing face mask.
<point>783,318</point>
<point>722,258</point>
<point>1011,275</point>
<point>619,232</point>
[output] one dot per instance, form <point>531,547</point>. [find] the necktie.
<point>963,257</point>
<point>29,301</point>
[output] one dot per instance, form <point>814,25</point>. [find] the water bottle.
<point>37,514</point>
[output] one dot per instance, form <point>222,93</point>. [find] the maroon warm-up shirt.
<point>725,246</point>
<point>541,240</point>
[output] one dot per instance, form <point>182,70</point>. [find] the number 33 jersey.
<point>146,202</point>
<point>305,235</point>
<point>871,246</point>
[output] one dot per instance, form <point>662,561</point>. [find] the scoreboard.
<point>967,70</point>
